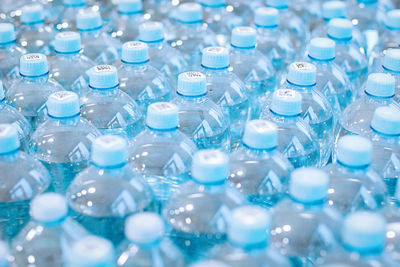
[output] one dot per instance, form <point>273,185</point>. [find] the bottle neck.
<point>353,168</point>
<point>311,205</point>
<point>35,79</point>
<point>8,45</point>
<point>10,156</point>
<point>154,44</point>
<point>91,32</point>
<point>136,66</point>
<point>65,121</point>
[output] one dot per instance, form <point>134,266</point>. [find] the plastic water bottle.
<point>192,35</point>
<point>258,169</point>
<point>260,78</point>
<point>330,10</point>
<point>63,142</point>
<point>332,81</point>
<point>141,81</point>
<point>166,59</point>
<point>146,243</point>
<point>109,109</point>
<point>271,41</point>
<point>391,65</point>
<point>348,55</point>
<point>97,44</point>
<point>362,243</point>
<point>30,93</point>
<point>162,153</point>
<point>126,192</point>
<point>10,54</point>
<point>354,184</point>
<point>27,179</point>
<point>91,251</point>
<point>66,19</point>
<point>47,239</point>
<point>226,90</point>
<point>391,215</point>
<point>4,254</point>
<point>34,35</point>
<point>199,117</point>
<point>68,53</point>
<point>315,110</point>
<point>248,234</point>
<point>301,146</point>
<point>304,226</point>
<point>198,213</point>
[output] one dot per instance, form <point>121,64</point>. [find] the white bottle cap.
<point>279,4</point>
<point>32,14</point>
<point>333,10</point>
<point>88,19</point>
<point>386,120</point>
<point>67,42</point>
<point>135,52</point>
<point>364,231</point>
<point>48,207</point>
<point>260,134</point>
<point>92,251</point>
<point>393,19</point>
<point>391,60</point>
<point>9,139</point>
<point>151,31</point>
<point>162,116</point>
<point>192,83</point>
<point>340,29</point>
<point>212,3</point>
<point>7,33</point>
<point>144,228</point>
<point>266,17</point>
<point>32,65</point>
<point>63,104</point>
<point>74,3</point>
<point>354,151</point>
<point>189,13</point>
<point>244,37</point>
<point>380,85</point>
<point>302,74</point>
<point>129,7</point>
<point>286,102</point>
<point>322,49</point>
<point>109,151</point>
<point>215,57</point>
<point>308,185</point>
<point>103,77</point>
<point>249,225</point>
<point>210,166</point>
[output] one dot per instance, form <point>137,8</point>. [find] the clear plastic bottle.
<point>316,109</point>
<point>4,254</point>
<point>34,35</point>
<point>252,67</point>
<point>30,93</point>
<point>258,169</point>
<point>296,140</point>
<point>199,117</point>
<point>107,107</point>
<point>162,153</point>
<point>226,90</point>
<point>63,142</point>
<point>97,44</point>
<point>27,179</point>
<point>47,239</point>
<point>391,213</point>
<point>114,190</point>
<point>391,65</point>
<point>248,234</point>
<point>329,10</point>
<point>68,49</point>
<point>354,185</point>
<point>141,81</point>
<point>66,19</point>
<point>304,227</point>
<point>146,244</point>
<point>198,213</point>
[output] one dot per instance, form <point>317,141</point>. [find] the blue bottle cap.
<point>2,94</point>
<point>266,17</point>
<point>386,120</point>
<point>92,251</point>
<point>212,3</point>
<point>364,231</point>
<point>302,74</point>
<point>33,65</point>
<point>391,60</point>
<point>88,19</point>
<point>48,207</point>
<point>393,19</point>
<point>286,102</point>
<point>9,139</point>
<point>103,77</point>
<point>260,134</point>
<point>63,104</point>
<point>249,225</point>
<point>333,10</point>
<point>322,49</point>
<point>32,14</point>
<point>189,13</point>
<point>244,37</point>
<point>109,150</point>
<point>215,57</point>
<point>192,83</point>
<point>354,151</point>
<point>151,31</point>
<point>135,52</point>
<point>7,33</point>
<point>279,4</point>
<point>67,42</point>
<point>209,263</point>
<point>340,29</point>
<point>144,228</point>
<point>162,116</point>
<point>380,85</point>
<point>308,185</point>
<point>129,6</point>
<point>210,166</point>
<point>74,3</point>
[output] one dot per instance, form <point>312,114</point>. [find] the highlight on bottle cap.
<point>380,85</point>
<point>286,102</point>
<point>162,116</point>
<point>189,13</point>
<point>244,37</point>
<point>9,139</point>
<point>215,57</point>
<point>210,166</point>
<point>391,60</point>
<point>109,151</point>
<point>63,104</point>
<point>91,251</point>
<point>393,19</point>
<point>68,42</point>
<point>192,83</point>
<point>278,4</point>
<point>386,120</point>
<point>302,74</point>
<point>144,228</point>
<point>32,14</point>
<point>260,134</point>
<point>354,151</point>
<point>333,9</point>
<point>151,31</point>
<point>88,19</point>
<point>48,207</point>
<point>322,49</point>
<point>32,65</point>
<point>7,33</point>
<point>308,185</point>
<point>340,28</point>
<point>266,17</point>
<point>129,7</point>
<point>74,3</point>
<point>135,52</point>
<point>212,3</point>
<point>103,77</point>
